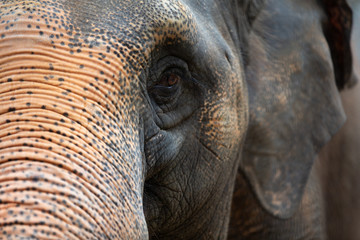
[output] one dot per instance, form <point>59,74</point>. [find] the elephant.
<point>178,119</point>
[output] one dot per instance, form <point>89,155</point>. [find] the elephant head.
<point>130,119</point>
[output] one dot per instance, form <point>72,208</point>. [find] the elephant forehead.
<point>119,35</point>
<point>136,27</point>
<point>139,24</point>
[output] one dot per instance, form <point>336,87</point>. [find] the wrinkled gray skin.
<point>179,119</point>
<point>330,206</point>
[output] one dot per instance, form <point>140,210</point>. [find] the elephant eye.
<point>167,89</point>
<point>169,80</point>
<point>172,90</point>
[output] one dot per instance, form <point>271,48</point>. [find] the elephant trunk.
<point>70,159</point>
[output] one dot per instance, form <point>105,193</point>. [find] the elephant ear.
<point>337,30</point>
<point>292,71</point>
